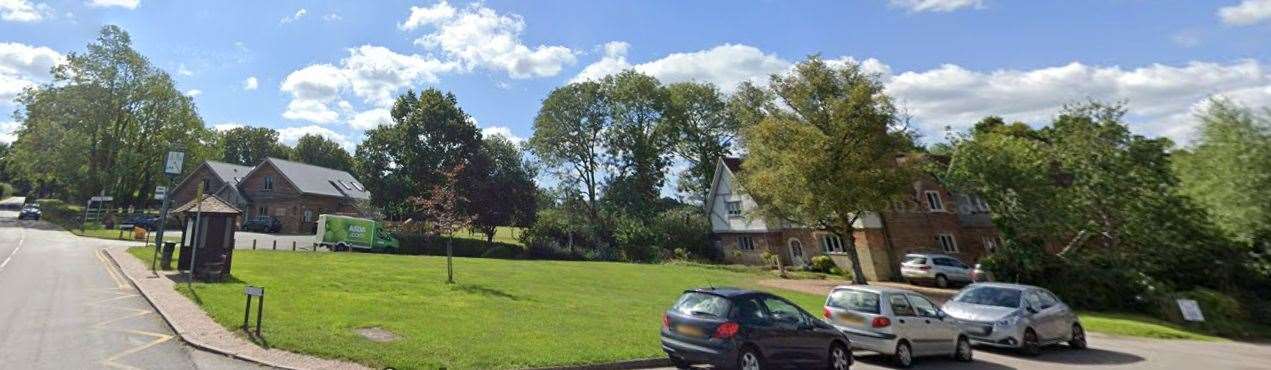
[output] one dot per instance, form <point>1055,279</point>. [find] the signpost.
<point>1190,310</point>
<point>171,167</point>
<point>254,291</point>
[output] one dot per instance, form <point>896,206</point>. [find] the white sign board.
<point>173,164</point>
<point>101,198</point>
<point>1190,310</point>
<point>160,192</point>
<point>254,291</point>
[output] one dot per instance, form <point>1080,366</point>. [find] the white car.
<point>938,268</point>
<point>1017,316</point>
<point>895,322</point>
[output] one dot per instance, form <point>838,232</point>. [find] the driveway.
<point>64,306</point>
<point>245,240</point>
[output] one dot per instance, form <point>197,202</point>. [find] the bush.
<point>502,251</point>
<point>461,247</point>
<point>823,264</point>
<point>686,228</point>
<point>1224,314</point>
<point>637,241</point>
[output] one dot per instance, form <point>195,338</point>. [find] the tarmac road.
<point>64,306</point>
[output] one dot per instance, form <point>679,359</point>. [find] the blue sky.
<point>332,67</point>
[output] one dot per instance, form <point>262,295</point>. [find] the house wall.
<point>727,191</point>
<point>296,211</point>
<point>185,191</point>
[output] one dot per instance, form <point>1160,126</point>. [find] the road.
<point>64,306</point>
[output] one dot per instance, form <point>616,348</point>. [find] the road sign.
<point>101,198</point>
<point>160,192</point>
<point>1190,310</point>
<point>172,165</point>
<point>254,291</point>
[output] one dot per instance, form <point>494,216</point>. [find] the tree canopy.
<point>320,151</point>
<point>248,146</point>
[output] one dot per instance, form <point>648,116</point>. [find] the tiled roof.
<point>210,204</point>
<point>312,179</point>
<point>228,172</point>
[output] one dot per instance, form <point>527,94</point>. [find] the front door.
<point>796,253</point>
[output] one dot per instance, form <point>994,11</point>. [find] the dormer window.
<point>734,208</point>
<point>269,183</point>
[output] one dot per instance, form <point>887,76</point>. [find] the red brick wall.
<point>186,191</point>
<point>287,204</point>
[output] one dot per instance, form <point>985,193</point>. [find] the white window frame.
<point>981,204</point>
<point>728,207</point>
<point>269,184</point>
<point>935,204</point>
<point>947,242</point>
<point>746,243</point>
<point>990,244</point>
<point>832,244</point>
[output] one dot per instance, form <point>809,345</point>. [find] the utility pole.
<point>171,168</point>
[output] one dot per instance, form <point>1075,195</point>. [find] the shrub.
<point>502,251</point>
<point>823,264</point>
<point>461,247</point>
<point>685,228</point>
<point>637,241</point>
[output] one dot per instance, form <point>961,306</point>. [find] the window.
<point>923,306</point>
<point>990,244</point>
<point>262,211</point>
<point>933,201</point>
<point>207,185</point>
<point>980,204</point>
<point>854,300</point>
<point>783,312</point>
<point>990,296</point>
<point>745,243</point>
<point>734,208</point>
<point>346,185</point>
<point>831,243</point>
<point>1047,299</point>
<point>702,304</point>
<point>308,215</point>
<point>900,306</point>
<point>947,243</point>
<point>750,311</point>
<point>269,183</point>
<point>1032,300</point>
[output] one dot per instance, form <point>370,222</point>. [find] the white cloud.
<point>300,13</point>
<point>127,4</point>
<point>290,135</point>
<point>251,83</point>
<point>936,5</point>
<point>193,93</point>
<point>23,65</point>
<point>502,131</point>
<point>726,65</point>
<point>372,73</point>
<point>181,70</point>
<point>226,126</point>
<point>332,17</point>
<point>1248,12</point>
<point>23,11</point>
<point>477,36</point>
<point>8,131</point>
<point>371,119</point>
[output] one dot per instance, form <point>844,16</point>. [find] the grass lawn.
<point>503,234</point>
<point>1137,325</point>
<point>501,314</point>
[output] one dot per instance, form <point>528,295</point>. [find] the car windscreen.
<point>990,296</point>
<point>915,260</point>
<point>854,300</point>
<point>702,304</point>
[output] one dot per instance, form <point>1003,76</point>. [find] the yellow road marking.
<point>122,291</point>
<point>114,275</point>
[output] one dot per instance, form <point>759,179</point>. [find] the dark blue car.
<point>748,330</point>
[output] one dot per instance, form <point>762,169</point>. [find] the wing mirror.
<point>1031,309</point>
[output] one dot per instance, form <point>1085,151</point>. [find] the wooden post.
<point>253,244</point>
<point>293,245</point>
<point>275,244</point>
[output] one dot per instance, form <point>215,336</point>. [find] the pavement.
<point>64,306</point>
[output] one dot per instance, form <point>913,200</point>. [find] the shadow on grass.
<point>485,291</point>
<point>257,339</point>
<point>181,282</point>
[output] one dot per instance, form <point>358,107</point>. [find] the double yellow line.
<point>110,270</point>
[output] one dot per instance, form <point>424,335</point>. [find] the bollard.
<point>293,245</point>
<point>275,244</point>
<point>253,244</point>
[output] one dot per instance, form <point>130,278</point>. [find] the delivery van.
<point>343,233</point>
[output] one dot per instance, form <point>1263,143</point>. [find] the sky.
<point>333,68</point>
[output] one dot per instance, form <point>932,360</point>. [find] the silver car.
<point>938,268</point>
<point>895,322</point>
<point>1024,317</point>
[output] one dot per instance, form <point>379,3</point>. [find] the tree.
<point>430,136</point>
<point>104,124</point>
<point>831,157</point>
<point>638,141</point>
<point>509,197</point>
<point>1227,169</point>
<point>568,136</point>
<point>703,129</point>
<point>441,211</point>
<point>320,151</point>
<point>248,146</point>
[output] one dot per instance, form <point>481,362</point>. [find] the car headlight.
<point>1009,321</point>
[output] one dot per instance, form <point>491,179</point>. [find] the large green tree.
<point>1228,169</point>
<point>430,135</point>
<point>249,145</point>
<point>104,124</point>
<point>638,141</point>
<point>320,151</point>
<point>509,197</point>
<point>702,129</point>
<point>568,137</point>
<point>830,158</point>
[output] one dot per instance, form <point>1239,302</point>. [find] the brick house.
<point>295,193</point>
<point>932,219</point>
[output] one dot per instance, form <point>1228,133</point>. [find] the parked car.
<point>143,221</point>
<point>980,274</point>
<point>1016,316</point>
<point>895,322</point>
<point>742,329</point>
<point>938,268</point>
<point>262,224</point>
<point>30,211</point>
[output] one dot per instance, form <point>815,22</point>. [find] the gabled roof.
<point>228,172</point>
<point>733,163</point>
<point>210,204</point>
<point>310,179</point>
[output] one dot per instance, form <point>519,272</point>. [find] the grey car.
<point>895,322</point>
<point>941,269</point>
<point>1017,316</point>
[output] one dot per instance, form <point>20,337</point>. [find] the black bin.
<point>166,256</point>
<point>183,260</point>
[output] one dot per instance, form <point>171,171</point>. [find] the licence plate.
<point>689,330</point>
<point>851,318</point>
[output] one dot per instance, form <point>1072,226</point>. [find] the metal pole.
<point>260,312</point>
<point>247,311</point>
<point>194,244</point>
<point>163,222</point>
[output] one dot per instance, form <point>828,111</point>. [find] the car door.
<point>905,322</point>
<point>761,330</point>
<point>1058,314</point>
<point>953,269</point>
<point>938,335</point>
<point>1043,318</point>
<point>793,348</point>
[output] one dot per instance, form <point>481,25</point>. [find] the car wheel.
<point>750,359</point>
<point>680,364</point>
<point>840,357</point>
<point>942,281</point>
<point>963,351</point>
<point>904,356</point>
<point>1078,340</point>
<point>1031,346</point>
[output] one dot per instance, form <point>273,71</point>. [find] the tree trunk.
<point>848,232</point>
<point>450,270</point>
